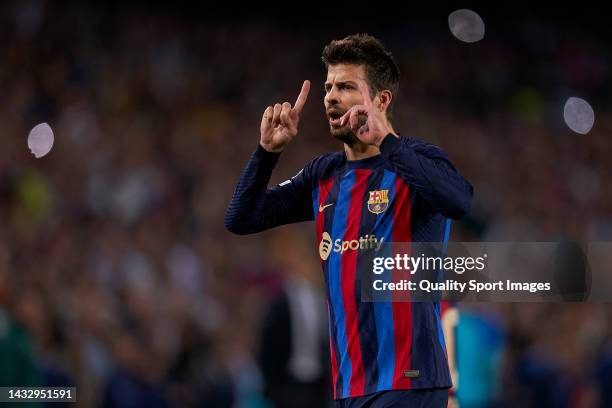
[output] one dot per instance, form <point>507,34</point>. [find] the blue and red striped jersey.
<point>405,194</point>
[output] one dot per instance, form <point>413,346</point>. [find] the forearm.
<point>246,212</point>
<point>255,208</point>
<point>450,319</point>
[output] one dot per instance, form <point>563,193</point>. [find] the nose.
<point>332,97</point>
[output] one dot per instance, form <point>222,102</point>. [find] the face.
<point>341,93</point>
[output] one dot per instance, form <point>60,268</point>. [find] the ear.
<point>384,100</point>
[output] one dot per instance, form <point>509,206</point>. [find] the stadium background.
<point>116,273</point>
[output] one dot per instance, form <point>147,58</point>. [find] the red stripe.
<point>402,307</point>
<point>334,362</point>
<point>324,188</point>
<point>349,270</point>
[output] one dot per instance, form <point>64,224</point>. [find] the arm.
<point>430,172</point>
<point>450,319</point>
<point>255,208</point>
<point>424,166</point>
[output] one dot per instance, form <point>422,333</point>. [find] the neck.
<point>359,151</point>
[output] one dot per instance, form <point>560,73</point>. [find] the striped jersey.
<point>407,193</point>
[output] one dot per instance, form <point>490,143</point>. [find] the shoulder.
<point>322,167</point>
<point>422,147</point>
<point>316,169</point>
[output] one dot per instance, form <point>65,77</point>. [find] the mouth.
<point>334,117</point>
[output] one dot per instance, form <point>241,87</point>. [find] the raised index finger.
<point>301,99</point>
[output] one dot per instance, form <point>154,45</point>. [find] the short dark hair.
<point>363,49</point>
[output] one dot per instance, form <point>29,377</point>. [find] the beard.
<point>344,134</point>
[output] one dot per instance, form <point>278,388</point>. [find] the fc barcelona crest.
<point>378,201</point>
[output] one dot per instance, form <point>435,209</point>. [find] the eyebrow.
<point>341,83</point>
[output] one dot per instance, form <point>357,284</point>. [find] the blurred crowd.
<point>116,273</point>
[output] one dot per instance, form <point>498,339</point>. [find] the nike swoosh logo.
<point>322,207</point>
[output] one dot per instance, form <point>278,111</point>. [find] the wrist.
<point>264,150</point>
<point>271,149</point>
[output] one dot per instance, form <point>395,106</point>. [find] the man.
<point>383,188</point>
<point>293,347</point>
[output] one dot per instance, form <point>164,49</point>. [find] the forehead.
<point>344,73</point>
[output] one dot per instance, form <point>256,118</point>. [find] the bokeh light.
<point>579,115</point>
<point>40,140</point>
<point>466,25</point>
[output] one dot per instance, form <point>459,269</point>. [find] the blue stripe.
<point>440,331</point>
<point>365,310</point>
<point>383,311</point>
<point>447,228</point>
<point>327,224</point>
<point>335,280</point>
<point>334,340</point>
<point>315,202</point>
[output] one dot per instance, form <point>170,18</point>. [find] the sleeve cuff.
<point>388,144</point>
<point>266,155</point>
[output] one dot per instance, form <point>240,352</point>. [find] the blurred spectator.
<point>294,345</point>
<point>18,366</point>
<point>480,344</point>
